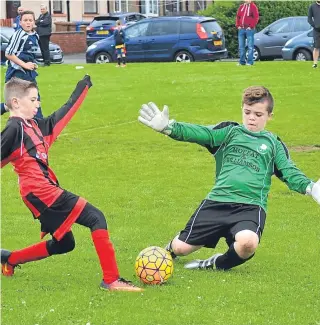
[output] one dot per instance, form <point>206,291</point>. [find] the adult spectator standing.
<point>44,29</point>
<point>246,21</point>
<point>314,21</point>
<point>16,22</point>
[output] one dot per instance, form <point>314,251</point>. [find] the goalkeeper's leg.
<point>176,247</point>
<point>239,252</point>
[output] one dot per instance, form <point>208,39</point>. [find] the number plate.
<point>217,43</point>
<point>57,57</point>
<point>102,32</point>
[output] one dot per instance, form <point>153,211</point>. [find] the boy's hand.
<point>151,116</point>
<point>29,66</point>
<point>87,80</point>
<point>315,192</point>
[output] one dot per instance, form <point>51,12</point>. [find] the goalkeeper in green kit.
<point>246,158</point>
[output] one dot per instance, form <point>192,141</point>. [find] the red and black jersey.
<point>25,144</point>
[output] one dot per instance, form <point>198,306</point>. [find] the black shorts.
<point>61,215</point>
<point>316,38</point>
<point>213,220</point>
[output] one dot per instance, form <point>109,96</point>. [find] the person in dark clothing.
<point>44,30</point>
<point>314,21</point>
<point>119,37</point>
<point>16,21</point>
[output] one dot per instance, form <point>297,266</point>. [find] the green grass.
<point>149,185</point>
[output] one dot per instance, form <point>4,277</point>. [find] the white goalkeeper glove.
<point>151,116</point>
<point>314,191</point>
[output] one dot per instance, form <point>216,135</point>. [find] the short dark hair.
<point>28,12</point>
<point>258,94</point>
<point>18,88</point>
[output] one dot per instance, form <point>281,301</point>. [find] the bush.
<point>270,11</point>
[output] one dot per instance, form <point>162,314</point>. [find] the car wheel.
<point>256,54</point>
<point>302,55</point>
<point>183,56</point>
<point>103,57</point>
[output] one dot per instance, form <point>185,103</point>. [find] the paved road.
<point>75,58</point>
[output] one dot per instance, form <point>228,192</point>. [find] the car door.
<point>4,44</point>
<point>163,37</point>
<point>275,36</point>
<point>135,38</point>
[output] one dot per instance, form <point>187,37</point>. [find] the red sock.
<point>29,254</point>
<point>106,255</point>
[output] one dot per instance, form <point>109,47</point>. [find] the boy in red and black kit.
<point>246,21</point>
<point>25,143</point>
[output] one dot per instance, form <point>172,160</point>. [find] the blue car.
<point>103,26</point>
<point>299,48</point>
<point>179,39</point>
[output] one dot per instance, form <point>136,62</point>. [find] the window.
<point>200,5</point>
<point>137,30</point>
<point>187,27</point>
<point>301,25</point>
<point>160,28</point>
<point>90,6</point>
<point>284,26</point>
<point>57,7</point>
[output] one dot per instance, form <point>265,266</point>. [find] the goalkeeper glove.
<point>151,116</point>
<point>313,189</point>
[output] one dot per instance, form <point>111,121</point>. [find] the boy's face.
<point>256,116</point>
<point>27,22</point>
<point>27,106</point>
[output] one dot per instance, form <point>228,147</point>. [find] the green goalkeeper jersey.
<point>245,161</point>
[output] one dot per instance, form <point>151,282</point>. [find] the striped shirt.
<point>24,46</point>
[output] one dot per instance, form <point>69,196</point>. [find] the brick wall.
<point>70,42</point>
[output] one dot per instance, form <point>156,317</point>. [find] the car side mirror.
<point>267,31</point>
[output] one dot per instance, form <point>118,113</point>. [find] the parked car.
<point>299,48</point>
<point>269,42</point>
<point>103,26</point>
<point>56,54</point>
<point>180,39</point>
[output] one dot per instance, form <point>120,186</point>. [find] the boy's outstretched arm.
<point>151,116</point>
<point>53,125</point>
<point>292,176</point>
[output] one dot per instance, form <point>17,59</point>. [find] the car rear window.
<point>104,21</point>
<point>211,26</point>
<point>187,27</point>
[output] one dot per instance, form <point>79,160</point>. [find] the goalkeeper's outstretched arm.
<point>151,116</point>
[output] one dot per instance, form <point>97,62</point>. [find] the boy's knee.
<point>246,243</point>
<point>100,221</point>
<point>65,245</point>
<point>181,248</point>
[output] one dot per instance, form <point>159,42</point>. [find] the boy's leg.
<point>243,239</point>
<point>35,252</point>
<point>200,230</point>
<point>123,54</point>
<point>3,109</point>
<point>94,219</point>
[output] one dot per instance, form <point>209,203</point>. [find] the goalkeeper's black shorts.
<point>214,220</point>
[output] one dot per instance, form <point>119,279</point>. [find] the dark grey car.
<point>268,43</point>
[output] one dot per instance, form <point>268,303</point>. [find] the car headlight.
<point>91,47</point>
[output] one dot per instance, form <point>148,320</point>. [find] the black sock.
<point>119,61</point>
<point>230,259</point>
<point>124,60</point>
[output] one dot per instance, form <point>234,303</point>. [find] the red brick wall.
<point>6,22</point>
<point>70,42</point>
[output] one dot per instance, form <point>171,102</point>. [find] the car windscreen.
<point>111,21</point>
<point>211,26</point>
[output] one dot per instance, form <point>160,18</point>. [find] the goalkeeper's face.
<point>256,116</point>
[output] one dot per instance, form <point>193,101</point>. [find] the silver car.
<point>268,43</point>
